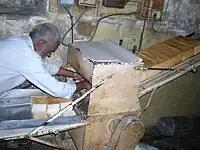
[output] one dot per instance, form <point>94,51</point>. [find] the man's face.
<point>50,48</point>
<point>46,49</point>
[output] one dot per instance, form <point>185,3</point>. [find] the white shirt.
<point>20,62</point>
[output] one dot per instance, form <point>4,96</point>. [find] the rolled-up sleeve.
<point>50,66</point>
<point>36,74</point>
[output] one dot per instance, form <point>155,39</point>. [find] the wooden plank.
<point>170,51</point>
<point>40,116</point>
<point>188,54</point>
<point>177,45</point>
<point>146,60</point>
<point>169,54</point>
<point>183,42</point>
<point>171,62</point>
<point>149,55</point>
<point>162,51</point>
<point>197,49</point>
<point>48,100</point>
<point>157,55</point>
<point>187,40</point>
<point>149,58</point>
<point>171,48</point>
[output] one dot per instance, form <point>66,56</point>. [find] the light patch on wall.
<point>88,3</point>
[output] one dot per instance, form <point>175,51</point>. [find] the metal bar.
<point>148,103</point>
<point>33,123</point>
<point>167,76</point>
<point>21,133</point>
<point>166,69</point>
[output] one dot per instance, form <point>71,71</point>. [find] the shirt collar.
<point>30,44</point>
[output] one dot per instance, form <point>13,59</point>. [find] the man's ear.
<point>41,42</point>
<point>40,45</point>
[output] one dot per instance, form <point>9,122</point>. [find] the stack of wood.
<point>170,52</point>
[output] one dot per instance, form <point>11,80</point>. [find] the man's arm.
<point>50,66</point>
<point>68,73</point>
<point>34,71</point>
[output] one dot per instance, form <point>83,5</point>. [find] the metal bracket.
<point>148,103</point>
<point>122,123</point>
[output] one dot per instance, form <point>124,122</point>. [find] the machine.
<point>105,119</point>
<point>111,116</point>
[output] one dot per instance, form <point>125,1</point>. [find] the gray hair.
<point>46,32</point>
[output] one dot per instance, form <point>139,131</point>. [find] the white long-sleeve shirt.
<point>20,62</point>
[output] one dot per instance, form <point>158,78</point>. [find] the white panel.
<point>87,2</point>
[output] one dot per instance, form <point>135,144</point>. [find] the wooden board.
<point>170,52</point>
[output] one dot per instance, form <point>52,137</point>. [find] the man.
<point>21,59</point>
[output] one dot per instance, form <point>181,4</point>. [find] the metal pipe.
<point>171,69</point>
<point>165,77</point>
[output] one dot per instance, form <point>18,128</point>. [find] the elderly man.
<point>21,59</point>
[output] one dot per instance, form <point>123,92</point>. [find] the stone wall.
<point>181,17</point>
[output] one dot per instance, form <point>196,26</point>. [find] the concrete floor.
<point>36,146</point>
<point>25,145</point>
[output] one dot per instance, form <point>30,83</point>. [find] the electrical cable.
<point>106,16</point>
<point>71,28</point>
<point>142,35</point>
<point>71,19</point>
<point>143,28</point>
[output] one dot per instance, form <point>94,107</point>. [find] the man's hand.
<point>77,77</point>
<point>70,74</point>
<point>83,85</point>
